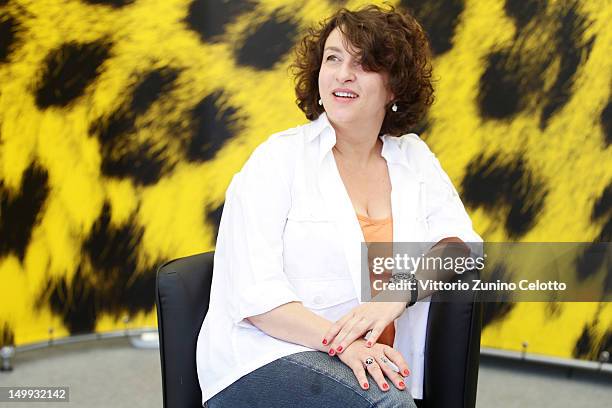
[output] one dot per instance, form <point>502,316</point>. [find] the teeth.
<point>345,94</point>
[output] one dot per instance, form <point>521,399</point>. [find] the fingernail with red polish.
<point>401,384</point>
<point>406,371</point>
<point>339,349</point>
<point>324,341</point>
<point>385,386</point>
<point>369,344</point>
<point>332,352</point>
<point>366,386</point>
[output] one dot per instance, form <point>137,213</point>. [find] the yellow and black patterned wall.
<point>122,123</point>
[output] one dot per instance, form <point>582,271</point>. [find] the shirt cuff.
<point>262,298</point>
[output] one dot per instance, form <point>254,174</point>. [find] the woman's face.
<point>350,94</point>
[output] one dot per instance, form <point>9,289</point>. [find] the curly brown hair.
<point>388,41</point>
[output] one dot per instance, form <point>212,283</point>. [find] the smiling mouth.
<point>347,95</point>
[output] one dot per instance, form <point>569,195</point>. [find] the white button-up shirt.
<point>289,233</point>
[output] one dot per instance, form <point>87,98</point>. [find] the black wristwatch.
<point>407,278</point>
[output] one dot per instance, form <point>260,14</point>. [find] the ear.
<point>390,94</point>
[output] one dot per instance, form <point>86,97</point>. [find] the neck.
<point>358,144</point>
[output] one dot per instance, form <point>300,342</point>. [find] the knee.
<point>395,398</point>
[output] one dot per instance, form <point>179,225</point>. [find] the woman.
<point>285,325</point>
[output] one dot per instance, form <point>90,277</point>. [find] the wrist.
<point>399,308</point>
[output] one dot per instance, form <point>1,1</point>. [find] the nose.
<point>345,72</point>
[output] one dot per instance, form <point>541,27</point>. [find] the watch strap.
<point>414,291</point>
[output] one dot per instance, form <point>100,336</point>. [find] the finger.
<point>373,338</point>
<point>337,343</point>
<point>377,375</point>
<point>360,374</point>
<point>390,372</point>
<point>397,358</point>
<point>335,328</point>
<point>355,332</point>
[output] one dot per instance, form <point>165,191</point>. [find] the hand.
<point>373,316</point>
<point>357,353</point>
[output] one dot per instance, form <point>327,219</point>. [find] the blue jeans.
<point>307,379</point>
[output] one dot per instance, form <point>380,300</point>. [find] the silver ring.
<point>390,364</point>
<point>367,335</point>
<point>369,361</point>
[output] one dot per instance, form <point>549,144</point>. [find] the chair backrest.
<point>182,297</point>
<point>452,347</point>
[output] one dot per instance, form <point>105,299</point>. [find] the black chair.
<point>182,295</point>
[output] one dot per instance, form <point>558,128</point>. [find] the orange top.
<point>379,230</point>
<point>376,230</point>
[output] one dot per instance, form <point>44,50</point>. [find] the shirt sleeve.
<point>249,246</point>
<point>445,214</point>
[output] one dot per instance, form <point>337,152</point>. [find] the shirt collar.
<point>392,150</point>
<point>322,128</point>
<point>322,131</point>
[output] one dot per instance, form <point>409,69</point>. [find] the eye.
<point>331,57</point>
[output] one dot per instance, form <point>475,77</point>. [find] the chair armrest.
<point>182,297</point>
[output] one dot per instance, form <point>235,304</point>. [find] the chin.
<point>344,117</point>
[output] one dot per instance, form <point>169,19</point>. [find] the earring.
<point>320,102</point>
<point>394,107</point>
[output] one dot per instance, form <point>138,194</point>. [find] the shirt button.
<point>318,300</point>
